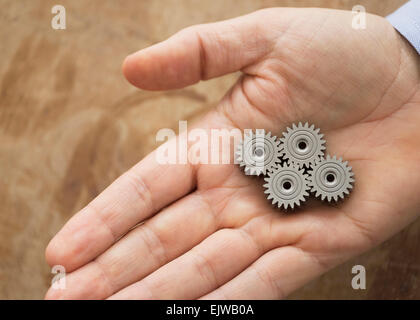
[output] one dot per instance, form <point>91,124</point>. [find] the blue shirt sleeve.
<point>407,21</point>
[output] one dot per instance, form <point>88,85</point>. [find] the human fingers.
<point>202,52</point>
<point>136,195</point>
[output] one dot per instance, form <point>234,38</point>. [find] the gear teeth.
<point>287,186</point>
<point>331,179</point>
<point>259,152</point>
<point>304,167</point>
<point>303,145</point>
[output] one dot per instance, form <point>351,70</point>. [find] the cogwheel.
<point>331,178</point>
<point>302,145</point>
<point>287,186</point>
<point>258,152</point>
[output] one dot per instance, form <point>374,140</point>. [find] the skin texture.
<point>208,230</point>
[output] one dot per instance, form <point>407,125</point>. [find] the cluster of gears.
<point>294,166</point>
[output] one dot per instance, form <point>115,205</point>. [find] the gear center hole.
<point>259,152</point>
<point>287,185</point>
<point>330,177</point>
<point>302,145</point>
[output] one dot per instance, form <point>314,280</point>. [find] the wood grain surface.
<point>70,124</point>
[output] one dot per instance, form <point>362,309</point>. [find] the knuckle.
<point>205,269</point>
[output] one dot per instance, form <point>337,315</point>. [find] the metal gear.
<point>287,186</point>
<point>331,179</point>
<point>259,152</point>
<point>302,145</point>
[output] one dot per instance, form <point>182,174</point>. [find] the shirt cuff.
<point>407,22</point>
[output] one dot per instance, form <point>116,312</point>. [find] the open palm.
<point>209,231</point>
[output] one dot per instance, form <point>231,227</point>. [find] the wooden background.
<point>70,124</point>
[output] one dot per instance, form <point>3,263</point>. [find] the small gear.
<point>258,153</point>
<point>302,145</point>
<point>331,179</point>
<point>287,186</point>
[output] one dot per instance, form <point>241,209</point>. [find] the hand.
<point>209,231</point>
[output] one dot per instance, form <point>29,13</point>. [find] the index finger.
<point>136,195</point>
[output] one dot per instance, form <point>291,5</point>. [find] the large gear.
<point>259,153</point>
<point>287,186</point>
<point>331,179</point>
<point>303,145</point>
<point>294,166</point>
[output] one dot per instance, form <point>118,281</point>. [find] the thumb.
<point>199,53</point>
